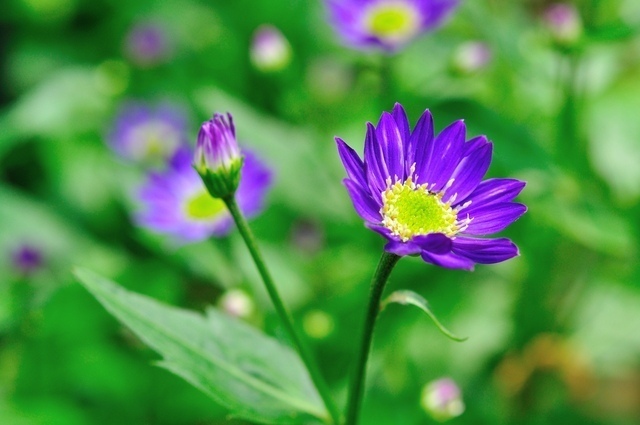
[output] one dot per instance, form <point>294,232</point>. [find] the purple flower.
<point>149,135</point>
<point>147,44</point>
<point>270,50</point>
<point>177,203</point>
<point>425,195</point>
<point>386,24</point>
<point>442,399</point>
<point>27,259</point>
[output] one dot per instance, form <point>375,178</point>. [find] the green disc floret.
<point>202,206</point>
<point>392,20</point>
<point>409,210</point>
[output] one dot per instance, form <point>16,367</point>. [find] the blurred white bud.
<point>236,303</point>
<point>472,56</point>
<point>564,23</point>
<point>270,50</point>
<point>442,399</point>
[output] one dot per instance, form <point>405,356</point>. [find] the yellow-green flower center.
<point>409,210</point>
<point>202,206</point>
<point>153,141</point>
<point>396,21</point>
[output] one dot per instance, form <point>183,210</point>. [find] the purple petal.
<point>254,184</point>
<point>421,144</point>
<point>493,218</point>
<point>402,248</point>
<point>400,116</point>
<point>485,251</point>
<point>381,230</point>
<point>364,204</point>
<point>449,260</point>
<point>434,13</point>
<point>470,171</point>
<point>436,243</point>
<point>473,144</point>
<point>352,163</point>
<point>494,191</point>
<point>448,146</point>
<point>390,139</point>
<point>376,169</point>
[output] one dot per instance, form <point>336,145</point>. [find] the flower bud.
<point>217,156</point>
<point>442,399</point>
<point>27,259</point>
<point>148,45</point>
<point>564,23</point>
<point>471,57</point>
<point>236,303</point>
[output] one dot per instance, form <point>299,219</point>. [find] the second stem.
<point>282,311</point>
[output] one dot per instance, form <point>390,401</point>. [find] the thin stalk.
<point>282,311</point>
<point>385,266</point>
<point>387,91</point>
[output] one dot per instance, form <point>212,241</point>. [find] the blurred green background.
<point>554,335</point>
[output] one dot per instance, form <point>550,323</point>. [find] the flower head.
<point>175,202</point>
<point>270,50</point>
<point>149,135</point>
<point>424,193</point>
<point>386,24</point>
<point>217,158</point>
<point>147,44</point>
<point>442,399</point>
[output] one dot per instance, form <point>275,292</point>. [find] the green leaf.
<point>406,297</point>
<point>248,372</point>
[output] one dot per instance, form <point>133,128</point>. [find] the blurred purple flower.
<point>424,193</point>
<point>442,399</point>
<point>27,259</point>
<point>147,44</point>
<point>149,135</point>
<point>270,50</point>
<point>177,203</point>
<point>386,24</point>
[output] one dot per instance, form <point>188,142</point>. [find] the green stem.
<point>385,266</point>
<point>282,311</point>
<point>386,81</point>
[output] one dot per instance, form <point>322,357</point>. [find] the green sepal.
<point>223,182</point>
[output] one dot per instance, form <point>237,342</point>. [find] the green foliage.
<point>552,334</point>
<point>251,374</point>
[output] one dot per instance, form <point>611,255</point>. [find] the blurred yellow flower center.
<point>153,141</point>
<point>202,206</point>
<point>409,210</point>
<point>392,21</point>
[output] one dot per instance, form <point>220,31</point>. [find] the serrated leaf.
<point>406,297</point>
<point>248,372</point>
